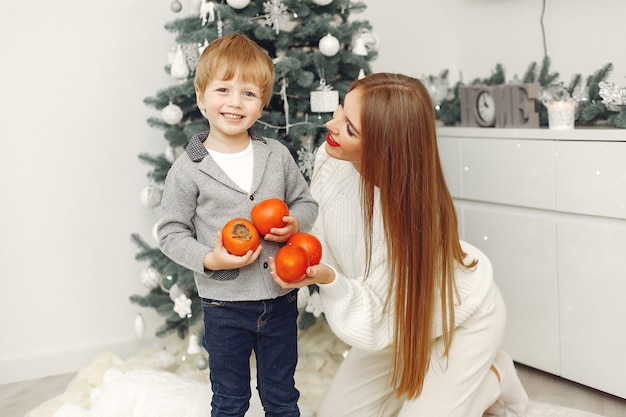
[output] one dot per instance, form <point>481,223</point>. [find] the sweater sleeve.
<point>356,311</point>
<point>354,304</point>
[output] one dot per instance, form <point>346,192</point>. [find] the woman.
<point>418,306</point>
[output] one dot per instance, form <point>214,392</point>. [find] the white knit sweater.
<point>354,306</point>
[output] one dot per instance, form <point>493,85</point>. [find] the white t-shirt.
<point>238,166</point>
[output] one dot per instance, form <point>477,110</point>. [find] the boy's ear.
<point>199,98</point>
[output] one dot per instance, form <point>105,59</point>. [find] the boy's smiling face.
<point>232,107</point>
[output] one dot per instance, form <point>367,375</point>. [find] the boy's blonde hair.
<point>236,55</point>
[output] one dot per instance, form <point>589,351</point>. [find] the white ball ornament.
<point>329,45</point>
<point>172,114</point>
<point>238,4</point>
<point>175,6</point>
<point>322,2</point>
<point>151,278</point>
<point>151,196</point>
<point>164,359</point>
<point>202,363</point>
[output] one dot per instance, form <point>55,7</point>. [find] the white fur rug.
<point>146,385</point>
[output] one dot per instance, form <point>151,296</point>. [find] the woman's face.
<point>344,130</point>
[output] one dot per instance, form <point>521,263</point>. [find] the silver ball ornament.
<point>172,114</point>
<point>329,45</point>
<point>151,278</point>
<point>238,4</point>
<point>175,6</point>
<point>164,359</point>
<point>151,196</point>
<point>202,363</point>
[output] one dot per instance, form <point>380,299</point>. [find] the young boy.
<point>224,172</point>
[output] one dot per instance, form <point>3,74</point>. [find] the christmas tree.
<point>318,51</point>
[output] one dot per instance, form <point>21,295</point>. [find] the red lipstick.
<point>330,141</point>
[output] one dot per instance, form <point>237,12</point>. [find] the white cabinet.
<point>518,172</point>
<point>591,178</point>
<point>592,280</point>
<point>521,246</point>
<point>549,209</point>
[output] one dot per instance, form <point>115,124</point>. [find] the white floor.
<point>45,397</point>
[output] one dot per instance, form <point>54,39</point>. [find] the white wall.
<point>72,122</point>
<point>424,37</point>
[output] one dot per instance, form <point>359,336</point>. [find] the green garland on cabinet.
<point>591,112</point>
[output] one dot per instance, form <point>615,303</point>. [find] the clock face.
<point>486,107</point>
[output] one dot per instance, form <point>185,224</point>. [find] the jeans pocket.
<point>292,296</point>
<point>209,303</point>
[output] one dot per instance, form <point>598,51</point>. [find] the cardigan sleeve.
<point>176,230</point>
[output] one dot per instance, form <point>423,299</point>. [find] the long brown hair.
<point>400,157</point>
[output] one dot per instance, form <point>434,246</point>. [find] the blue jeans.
<point>232,330</point>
